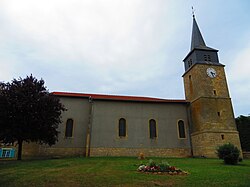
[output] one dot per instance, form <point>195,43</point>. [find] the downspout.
<point>88,137</point>
<point>190,128</point>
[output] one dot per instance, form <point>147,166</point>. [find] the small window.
<point>69,128</point>
<point>122,127</point>
<point>181,129</point>
<point>222,137</point>
<point>189,77</point>
<point>190,63</point>
<point>152,129</point>
<point>218,113</point>
<point>205,57</point>
<point>215,92</point>
<point>209,58</point>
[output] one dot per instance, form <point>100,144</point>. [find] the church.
<point>113,125</point>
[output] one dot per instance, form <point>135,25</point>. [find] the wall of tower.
<point>205,143</point>
<point>198,84</point>
<point>211,111</point>
<point>212,114</point>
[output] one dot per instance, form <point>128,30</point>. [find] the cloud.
<point>109,44</point>
<point>118,46</point>
<point>240,80</point>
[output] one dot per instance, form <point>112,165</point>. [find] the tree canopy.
<point>28,112</point>
<point>243,126</point>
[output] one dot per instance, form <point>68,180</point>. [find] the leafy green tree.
<point>28,112</point>
<point>243,126</point>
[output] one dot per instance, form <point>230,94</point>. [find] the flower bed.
<point>161,168</point>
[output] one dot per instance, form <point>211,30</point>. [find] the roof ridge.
<point>117,97</point>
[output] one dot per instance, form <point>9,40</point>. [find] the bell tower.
<point>211,112</point>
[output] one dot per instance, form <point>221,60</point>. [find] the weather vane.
<point>193,11</point>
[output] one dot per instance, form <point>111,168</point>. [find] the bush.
<point>229,153</point>
<point>151,163</point>
<point>164,166</point>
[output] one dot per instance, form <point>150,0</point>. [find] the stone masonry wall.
<point>157,152</point>
<point>205,143</point>
<point>33,150</point>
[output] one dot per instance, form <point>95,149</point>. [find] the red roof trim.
<point>117,97</point>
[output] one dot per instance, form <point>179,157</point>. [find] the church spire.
<point>197,39</point>
<point>199,52</point>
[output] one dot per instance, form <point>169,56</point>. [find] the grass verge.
<point>120,171</point>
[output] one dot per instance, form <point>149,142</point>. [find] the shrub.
<point>151,163</point>
<point>229,153</point>
<point>164,166</point>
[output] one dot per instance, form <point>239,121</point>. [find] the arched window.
<point>181,129</point>
<point>152,129</point>
<point>69,128</point>
<point>122,127</point>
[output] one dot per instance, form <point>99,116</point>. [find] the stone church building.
<point>112,125</point>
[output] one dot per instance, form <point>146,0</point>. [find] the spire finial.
<point>193,12</point>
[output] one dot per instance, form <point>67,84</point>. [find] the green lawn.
<point>120,171</point>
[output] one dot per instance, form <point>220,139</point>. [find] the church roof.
<point>117,97</point>
<point>197,41</point>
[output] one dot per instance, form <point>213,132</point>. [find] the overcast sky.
<point>123,47</point>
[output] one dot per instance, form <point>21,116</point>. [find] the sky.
<point>122,47</point>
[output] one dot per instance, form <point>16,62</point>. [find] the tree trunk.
<point>20,146</point>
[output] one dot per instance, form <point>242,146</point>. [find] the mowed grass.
<point>120,171</point>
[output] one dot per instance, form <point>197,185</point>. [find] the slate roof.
<point>117,97</point>
<point>197,41</point>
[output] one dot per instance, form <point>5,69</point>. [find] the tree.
<point>243,126</point>
<point>28,112</point>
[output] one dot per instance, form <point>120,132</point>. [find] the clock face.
<point>211,72</point>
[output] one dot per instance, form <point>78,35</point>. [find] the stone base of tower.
<point>205,143</point>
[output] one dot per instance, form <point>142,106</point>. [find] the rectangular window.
<point>7,153</point>
<point>222,137</point>
<point>190,63</point>
<point>209,58</point>
<point>205,57</point>
<point>215,92</point>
